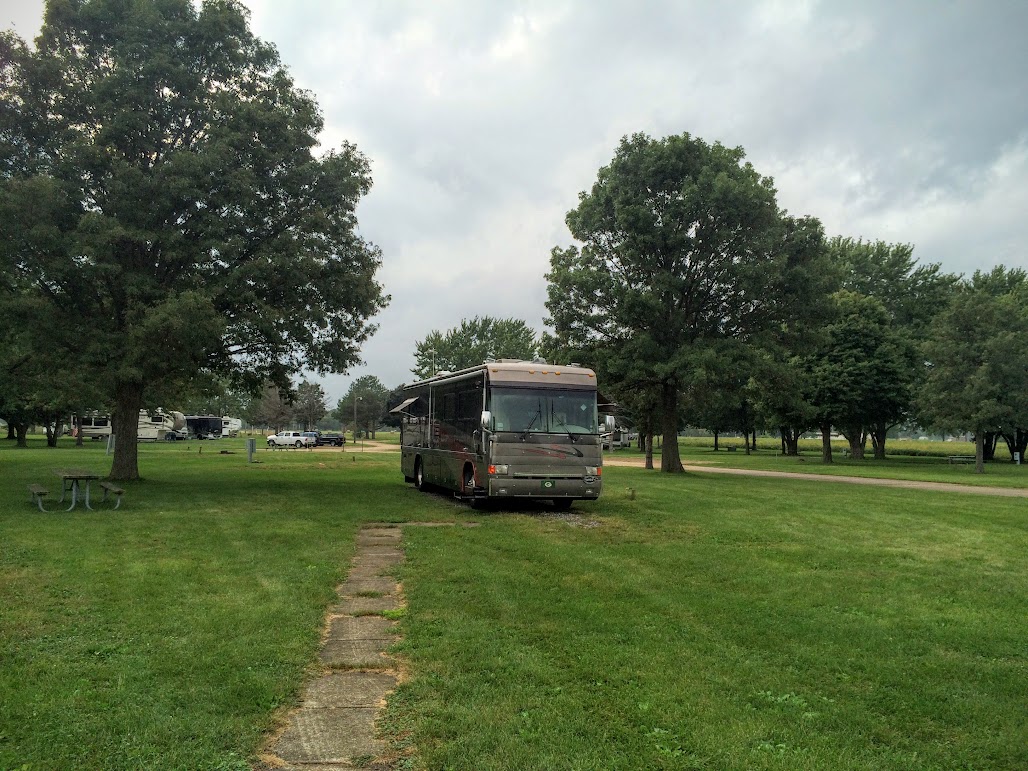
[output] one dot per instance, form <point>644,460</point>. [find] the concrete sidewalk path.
<point>334,727</point>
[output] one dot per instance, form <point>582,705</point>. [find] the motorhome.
<point>504,429</point>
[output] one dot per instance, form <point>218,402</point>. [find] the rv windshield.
<point>543,411</point>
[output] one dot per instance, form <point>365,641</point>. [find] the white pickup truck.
<point>292,439</point>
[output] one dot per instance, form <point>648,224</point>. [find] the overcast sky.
<point>900,121</point>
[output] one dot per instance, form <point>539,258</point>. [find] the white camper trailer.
<point>153,425</point>
<point>95,427</point>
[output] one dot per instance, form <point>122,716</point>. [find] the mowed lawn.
<point>710,622</point>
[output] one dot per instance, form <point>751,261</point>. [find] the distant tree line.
<point>700,302</point>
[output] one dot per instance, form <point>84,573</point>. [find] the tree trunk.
<point>1017,442</point>
<point>989,441</point>
<point>855,436</point>
<point>746,439</point>
<point>78,431</point>
<point>878,434</point>
<point>670,458</point>
<point>979,452</point>
<point>128,400</point>
<point>716,436</point>
<point>826,442</point>
<point>790,440</point>
<point>21,431</point>
<point>11,433</point>
<point>53,429</point>
<point>649,450</point>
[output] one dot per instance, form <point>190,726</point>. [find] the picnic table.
<point>71,481</point>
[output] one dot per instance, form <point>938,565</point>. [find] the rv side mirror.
<point>487,420</point>
<point>610,423</point>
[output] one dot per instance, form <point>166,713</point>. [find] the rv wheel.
<point>469,488</point>
<point>419,475</point>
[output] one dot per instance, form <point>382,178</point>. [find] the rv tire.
<point>419,475</point>
<point>469,488</point>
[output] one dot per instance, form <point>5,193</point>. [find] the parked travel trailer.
<point>204,426</point>
<point>95,427</point>
<point>153,425</point>
<point>231,426</point>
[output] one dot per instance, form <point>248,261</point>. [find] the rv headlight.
<point>593,471</point>
<point>500,470</point>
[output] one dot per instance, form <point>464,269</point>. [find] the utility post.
<point>355,400</point>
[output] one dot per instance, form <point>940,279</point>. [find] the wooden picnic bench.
<point>114,490</point>
<point>38,493</point>
<point>961,459</point>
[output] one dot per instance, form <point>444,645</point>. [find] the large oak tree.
<point>681,249</point>
<point>162,208</point>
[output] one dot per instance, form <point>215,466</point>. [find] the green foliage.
<point>207,395</point>
<point>683,248</point>
<point>310,404</point>
<point>472,343</point>
<point>363,405</point>
<point>864,373</point>
<point>912,294</point>
<point>271,410</point>
<point>978,363</point>
<point>161,210</point>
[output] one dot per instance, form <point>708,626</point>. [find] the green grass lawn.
<point>711,622</point>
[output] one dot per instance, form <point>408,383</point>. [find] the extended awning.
<point>604,405</point>
<point>404,405</point>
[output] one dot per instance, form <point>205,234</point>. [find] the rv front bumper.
<point>520,487</point>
